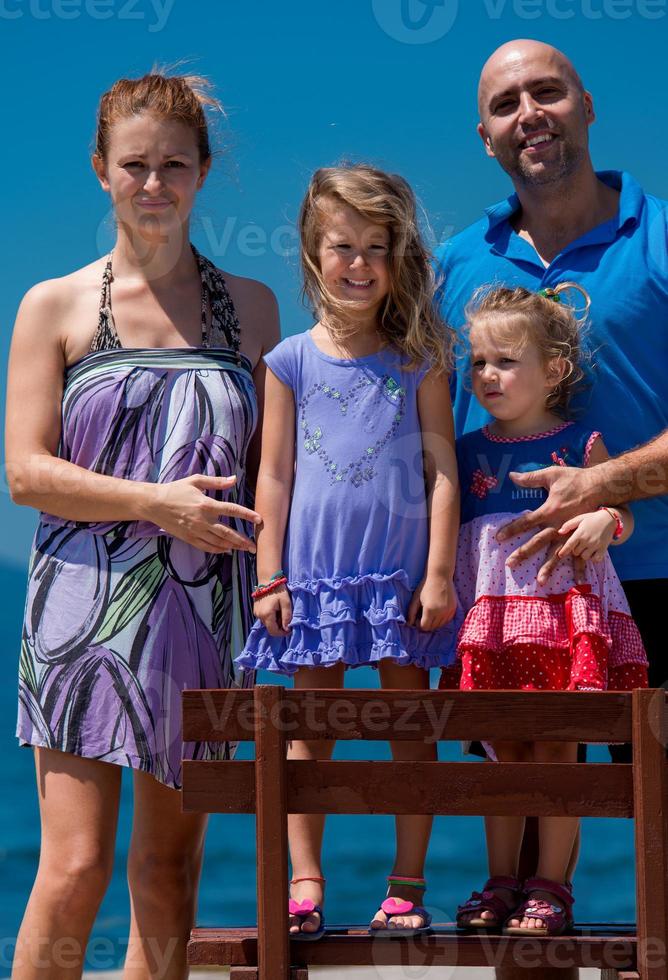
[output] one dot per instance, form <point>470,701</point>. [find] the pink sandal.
<point>556,919</point>
<point>488,901</point>
<point>302,910</point>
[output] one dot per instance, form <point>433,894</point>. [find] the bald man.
<point>566,222</point>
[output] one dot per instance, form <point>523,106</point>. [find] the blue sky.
<point>305,84</point>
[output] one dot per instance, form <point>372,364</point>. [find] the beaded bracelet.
<point>619,523</point>
<point>276,580</point>
<point>418,883</point>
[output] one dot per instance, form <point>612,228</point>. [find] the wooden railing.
<point>271,787</point>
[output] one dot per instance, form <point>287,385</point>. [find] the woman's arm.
<point>274,489</point>
<point>38,478</point>
<point>436,594</point>
<point>258,315</point>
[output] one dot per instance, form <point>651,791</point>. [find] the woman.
<point>129,431</point>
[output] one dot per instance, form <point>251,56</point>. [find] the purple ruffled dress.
<point>121,617</point>
<point>357,537</point>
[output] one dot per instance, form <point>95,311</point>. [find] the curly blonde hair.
<point>408,320</point>
<point>544,319</point>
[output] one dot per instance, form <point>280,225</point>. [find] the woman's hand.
<point>275,611</point>
<point>590,536</point>
<point>183,509</point>
<point>433,604</point>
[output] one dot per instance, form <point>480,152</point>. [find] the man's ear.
<point>486,139</point>
<point>100,168</point>
<point>590,115</point>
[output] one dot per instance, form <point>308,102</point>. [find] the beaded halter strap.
<point>224,323</point>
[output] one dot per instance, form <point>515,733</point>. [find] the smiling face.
<point>152,171</point>
<point>354,258</point>
<point>534,113</point>
<point>509,376</point>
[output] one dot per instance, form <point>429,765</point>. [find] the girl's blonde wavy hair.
<point>544,319</point>
<point>408,320</point>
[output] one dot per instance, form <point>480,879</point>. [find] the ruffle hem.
<point>357,620</point>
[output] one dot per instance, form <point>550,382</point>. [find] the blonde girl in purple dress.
<point>131,410</point>
<point>356,553</point>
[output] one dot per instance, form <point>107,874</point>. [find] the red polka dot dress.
<point>518,635</point>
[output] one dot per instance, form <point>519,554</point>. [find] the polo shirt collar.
<point>503,239</point>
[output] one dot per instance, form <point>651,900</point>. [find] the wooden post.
<point>649,788</point>
<point>273,944</point>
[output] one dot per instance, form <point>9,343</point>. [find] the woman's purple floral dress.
<point>121,618</point>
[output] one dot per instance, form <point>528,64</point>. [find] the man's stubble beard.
<point>570,158</point>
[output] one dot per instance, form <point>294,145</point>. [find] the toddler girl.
<point>522,631</point>
<point>357,552</point>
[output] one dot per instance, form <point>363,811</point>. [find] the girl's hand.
<point>591,536</point>
<point>182,508</point>
<point>433,604</point>
<point>275,612</point>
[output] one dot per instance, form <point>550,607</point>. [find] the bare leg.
<point>413,831</point>
<point>164,865</point>
<point>557,834</point>
<point>305,830</point>
<point>78,802</point>
<point>575,854</point>
<point>504,834</point>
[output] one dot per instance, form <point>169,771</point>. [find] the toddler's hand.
<point>591,536</point>
<point>275,612</point>
<point>433,604</point>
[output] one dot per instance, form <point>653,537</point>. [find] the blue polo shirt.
<point>623,265</point>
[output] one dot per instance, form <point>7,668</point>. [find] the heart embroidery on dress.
<point>359,470</point>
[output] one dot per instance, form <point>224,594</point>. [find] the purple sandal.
<point>488,901</point>
<point>556,919</point>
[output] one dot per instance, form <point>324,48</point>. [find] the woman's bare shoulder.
<point>62,308</point>
<point>257,309</point>
<point>63,293</point>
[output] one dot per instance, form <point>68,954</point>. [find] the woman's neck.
<point>165,262</point>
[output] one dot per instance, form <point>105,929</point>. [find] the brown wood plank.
<point>272,842</point>
<point>218,787</point>
<point>412,715</point>
<point>650,787</point>
<point>445,947</point>
<point>455,788</point>
<point>251,973</point>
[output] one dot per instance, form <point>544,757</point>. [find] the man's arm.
<point>635,475</point>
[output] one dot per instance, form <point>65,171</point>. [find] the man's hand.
<point>572,491</point>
